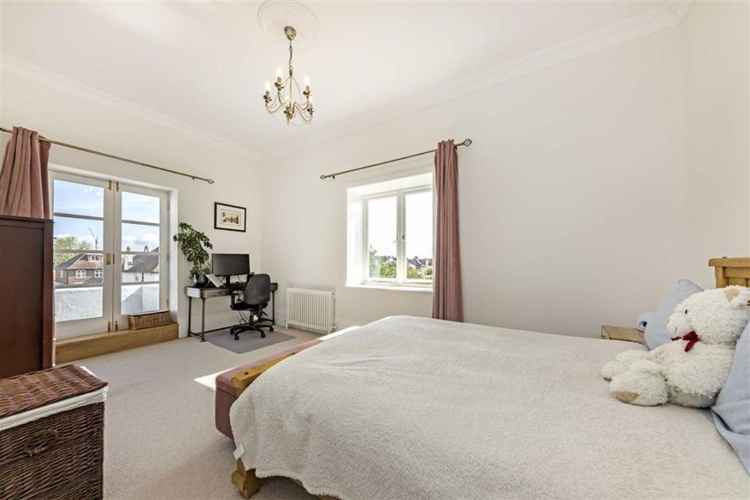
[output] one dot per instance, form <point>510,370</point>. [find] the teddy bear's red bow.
<point>691,337</point>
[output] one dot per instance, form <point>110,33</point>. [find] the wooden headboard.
<point>731,271</point>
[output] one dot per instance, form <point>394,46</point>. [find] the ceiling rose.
<point>275,15</point>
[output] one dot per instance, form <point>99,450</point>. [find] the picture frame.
<point>230,217</point>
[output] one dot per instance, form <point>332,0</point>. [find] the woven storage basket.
<point>60,454</point>
<point>148,320</point>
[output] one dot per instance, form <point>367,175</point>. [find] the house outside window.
<point>390,232</point>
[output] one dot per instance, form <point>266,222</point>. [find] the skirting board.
<point>104,343</point>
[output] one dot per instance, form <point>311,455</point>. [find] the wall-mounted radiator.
<point>310,309</point>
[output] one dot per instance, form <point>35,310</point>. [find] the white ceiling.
<point>204,63</point>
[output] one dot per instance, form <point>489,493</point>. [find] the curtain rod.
<point>466,143</point>
<point>121,158</point>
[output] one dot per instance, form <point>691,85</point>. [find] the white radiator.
<point>310,309</point>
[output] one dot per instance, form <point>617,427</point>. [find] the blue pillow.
<point>656,330</point>
<point>732,409</point>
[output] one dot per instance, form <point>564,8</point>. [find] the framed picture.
<point>229,217</point>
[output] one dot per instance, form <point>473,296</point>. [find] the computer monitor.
<point>230,264</point>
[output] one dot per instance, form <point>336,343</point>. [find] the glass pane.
<point>419,236</point>
<point>78,303</point>
<point>140,207</point>
<point>140,298</point>
<point>78,234</point>
<point>140,267</point>
<point>140,238</point>
<point>382,222</point>
<point>78,285</point>
<point>78,199</point>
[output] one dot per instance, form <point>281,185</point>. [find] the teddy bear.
<point>691,369</point>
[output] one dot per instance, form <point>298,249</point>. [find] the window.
<point>110,242</point>
<point>390,233</point>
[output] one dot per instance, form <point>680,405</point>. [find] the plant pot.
<point>199,281</point>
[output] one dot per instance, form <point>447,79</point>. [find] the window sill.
<point>394,288</point>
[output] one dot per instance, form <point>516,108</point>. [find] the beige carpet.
<point>160,440</point>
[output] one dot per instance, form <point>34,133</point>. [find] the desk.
<point>208,293</point>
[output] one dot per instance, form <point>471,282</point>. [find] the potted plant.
<point>194,245</point>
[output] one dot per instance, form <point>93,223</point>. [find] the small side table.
<point>610,332</point>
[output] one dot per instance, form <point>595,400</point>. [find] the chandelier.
<point>289,95</point>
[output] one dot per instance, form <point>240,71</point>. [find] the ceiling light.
<point>287,94</point>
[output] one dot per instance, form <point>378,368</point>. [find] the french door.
<point>110,253</point>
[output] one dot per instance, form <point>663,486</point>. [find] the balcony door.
<point>82,245</point>
<point>110,247</point>
<point>141,252</point>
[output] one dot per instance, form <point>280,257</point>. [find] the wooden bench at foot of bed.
<point>229,385</point>
<point>246,482</point>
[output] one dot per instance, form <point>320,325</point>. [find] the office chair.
<point>256,297</point>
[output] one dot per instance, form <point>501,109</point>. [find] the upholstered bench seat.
<point>228,389</point>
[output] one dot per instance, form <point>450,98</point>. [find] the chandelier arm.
<point>274,105</point>
<point>303,112</point>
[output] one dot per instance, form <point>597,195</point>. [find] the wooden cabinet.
<point>26,295</point>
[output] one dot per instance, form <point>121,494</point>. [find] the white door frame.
<point>112,318</point>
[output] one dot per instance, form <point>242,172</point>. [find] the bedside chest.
<point>51,435</point>
<point>622,333</point>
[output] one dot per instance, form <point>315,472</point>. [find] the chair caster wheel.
<point>270,329</point>
<point>262,335</point>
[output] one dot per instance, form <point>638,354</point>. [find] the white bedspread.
<point>412,408</point>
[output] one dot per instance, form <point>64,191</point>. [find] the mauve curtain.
<point>447,298</point>
<point>24,190</point>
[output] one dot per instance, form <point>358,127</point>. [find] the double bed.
<point>415,408</point>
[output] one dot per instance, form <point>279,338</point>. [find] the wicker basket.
<point>60,455</point>
<point>148,320</point>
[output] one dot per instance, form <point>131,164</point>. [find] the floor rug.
<point>249,341</point>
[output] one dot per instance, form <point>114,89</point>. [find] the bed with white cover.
<point>414,408</point>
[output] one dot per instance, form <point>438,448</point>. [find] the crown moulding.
<point>661,17</point>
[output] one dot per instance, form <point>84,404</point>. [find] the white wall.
<point>61,110</point>
<point>717,101</point>
<point>578,206</point>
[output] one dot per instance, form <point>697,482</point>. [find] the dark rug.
<point>249,341</point>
